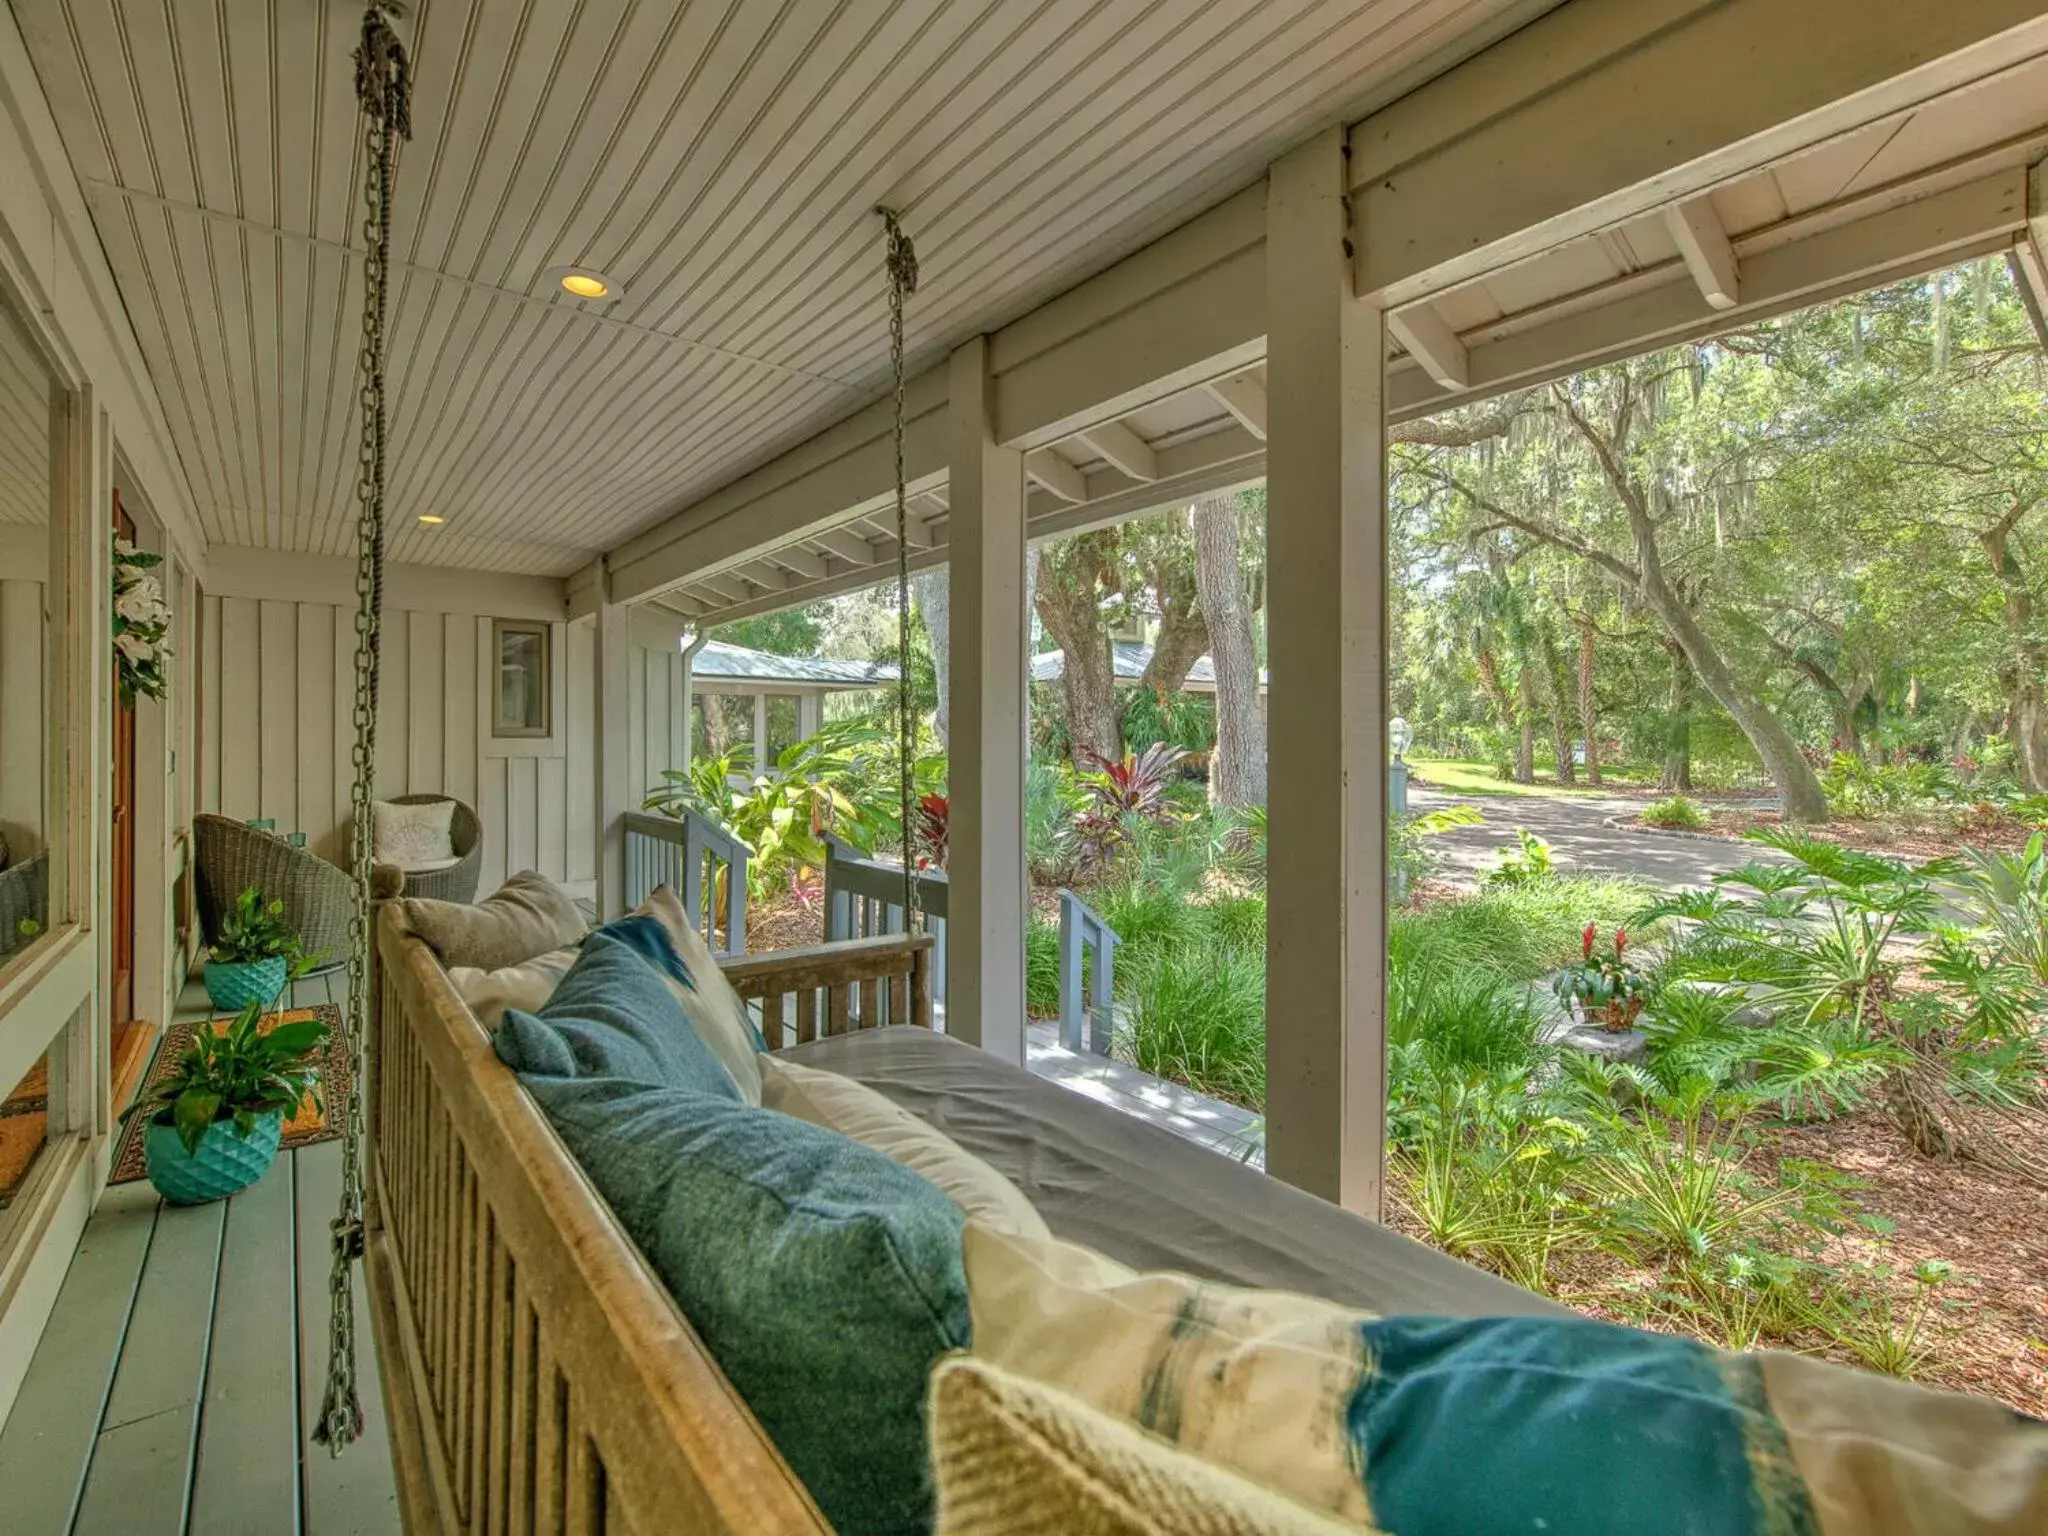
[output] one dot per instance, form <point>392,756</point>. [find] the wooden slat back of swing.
<point>539,1378</point>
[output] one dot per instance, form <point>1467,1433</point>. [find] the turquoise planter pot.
<point>235,984</point>
<point>224,1163</point>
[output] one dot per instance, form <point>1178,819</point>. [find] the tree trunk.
<point>1525,748</point>
<point>1560,720</point>
<point>1183,631</point>
<point>1589,715</point>
<point>931,591</point>
<point>1677,776</point>
<point>1798,788</point>
<point>2020,675</point>
<point>1237,773</point>
<point>1069,602</point>
<point>1496,690</point>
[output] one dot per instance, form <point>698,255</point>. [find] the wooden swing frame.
<point>537,1375</point>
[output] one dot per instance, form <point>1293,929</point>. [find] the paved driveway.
<point>1574,827</point>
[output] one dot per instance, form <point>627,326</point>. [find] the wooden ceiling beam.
<point>2028,258</point>
<point>1123,448</point>
<point>1245,398</point>
<point>848,546</point>
<point>1696,229</point>
<point>1044,467</point>
<point>1432,343</point>
<point>800,562</point>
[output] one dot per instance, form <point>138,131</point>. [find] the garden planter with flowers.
<point>1603,988</point>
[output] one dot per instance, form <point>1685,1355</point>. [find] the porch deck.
<point>175,1385</point>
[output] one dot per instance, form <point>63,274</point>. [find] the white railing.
<point>864,897</point>
<point>691,855</point>
<point>1084,935</point>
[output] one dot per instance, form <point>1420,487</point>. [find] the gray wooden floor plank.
<point>141,1472</point>
<point>49,1437</point>
<point>246,1482</point>
<point>354,1494</point>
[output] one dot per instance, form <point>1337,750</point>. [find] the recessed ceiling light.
<point>585,286</point>
<point>432,519</point>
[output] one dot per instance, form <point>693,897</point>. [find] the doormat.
<point>314,1122</point>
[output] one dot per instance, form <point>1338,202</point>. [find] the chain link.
<point>382,92</point>
<point>902,265</point>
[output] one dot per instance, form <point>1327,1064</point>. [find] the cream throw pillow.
<point>855,1110</point>
<point>525,987</point>
<point>526,916</point>
<point>414,837</point>
<point>1011,1457</point>
<point>713,1008</point>
<point>1253,1380</point>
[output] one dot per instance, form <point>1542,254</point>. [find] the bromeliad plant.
<point>1603,988</point>
<point>237,1074</point>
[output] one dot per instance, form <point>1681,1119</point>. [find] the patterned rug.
<point>311,1124</point>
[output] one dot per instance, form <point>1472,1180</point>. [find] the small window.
<point>523,694</point>
<point>784,730</point>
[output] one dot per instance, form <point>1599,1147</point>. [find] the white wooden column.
<point>1326,629</point>
<point>985,534</point>
<point>614,776</point>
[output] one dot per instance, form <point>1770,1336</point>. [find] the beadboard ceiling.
<point>718,158</point>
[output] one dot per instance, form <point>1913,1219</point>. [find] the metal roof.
<point>1131,660</point>
<point>744,664</point>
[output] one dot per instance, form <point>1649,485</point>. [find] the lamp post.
<point>1399,738</point>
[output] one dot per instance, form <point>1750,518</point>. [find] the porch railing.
<point>1089,1015</point>
<point>864,898</point>
<point>692,856</point>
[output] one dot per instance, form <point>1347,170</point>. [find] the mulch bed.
<point>1989,1330</point>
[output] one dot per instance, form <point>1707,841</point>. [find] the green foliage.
<point>1678,813</point>
<point>1603,987</point>
<point>1408,858</point>
<point>1041,968</point>
<point>254,929</point>
<point>1186,721</point>
<point>786,632</point>
<point>1052,803</point>
<point>1197,1014</point>
<point>842,781</point>
<point>2007,894</point>
<point>1125,795</point>
<point>1511,933</point>
<point>1857,788</point>
<point>1527,863</point>
<point>236,1074</point>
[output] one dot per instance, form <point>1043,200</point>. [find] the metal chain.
<point>382,91</point>
<point>902,265</point>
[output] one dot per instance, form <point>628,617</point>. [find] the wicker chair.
<point>24,897</point>
<point>230,857</point>
<point>458,881</point>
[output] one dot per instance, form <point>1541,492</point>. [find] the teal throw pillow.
<point>824,1276</point>
<point>1566,1424</point>
<point>613,1015</point>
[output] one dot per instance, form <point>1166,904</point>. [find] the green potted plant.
<point>255,953</point>
<point>1603,989</point>
<point>215,1120</point>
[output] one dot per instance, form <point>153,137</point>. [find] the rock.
<point>1631,1047</point>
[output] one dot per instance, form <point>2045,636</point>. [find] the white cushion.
<point>710,1003</point>
<point>1258,1382</point>
<point>414,837</point>
<point>855,1110</point>
<point>525,987</point>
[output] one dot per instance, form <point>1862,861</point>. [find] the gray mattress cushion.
<point>1151,1199</point>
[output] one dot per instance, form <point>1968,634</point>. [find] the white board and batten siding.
<point>279,723</point>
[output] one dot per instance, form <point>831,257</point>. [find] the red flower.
<point>1586,941</point>
<point>1620,941</point>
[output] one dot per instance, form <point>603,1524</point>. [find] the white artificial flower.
<point>137,606</point>
<point>123,547</point>
<point>134,647</point>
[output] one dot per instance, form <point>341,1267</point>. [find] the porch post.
<point>1326,944</point>
<point>614,776</point>
<point>985,581</point>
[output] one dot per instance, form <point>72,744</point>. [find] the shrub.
<point>1860,789</point>
<point>1041,969</point>
<point>1198,1016</point>
<point>1679,813</point>
<point>1526,863</point>
<point>1512,933</point>
<point>1235,922</point>
<point>1126,793</point>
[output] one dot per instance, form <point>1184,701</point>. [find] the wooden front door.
<point>123,828</point>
